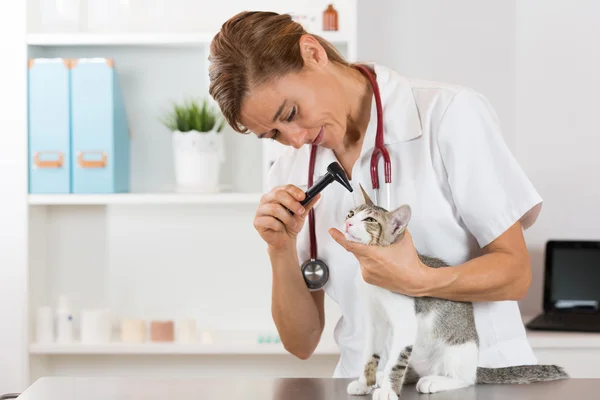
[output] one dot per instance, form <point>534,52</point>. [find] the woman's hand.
<point>275,224</point>
<point>396,267</point>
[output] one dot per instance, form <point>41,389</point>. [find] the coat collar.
<point>401,123</point>
<point>401,120</point>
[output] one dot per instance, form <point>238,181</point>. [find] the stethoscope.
<point>314,271</point>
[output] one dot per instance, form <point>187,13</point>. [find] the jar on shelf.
<point>330,19</point>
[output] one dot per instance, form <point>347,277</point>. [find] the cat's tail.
<point>521,374</point>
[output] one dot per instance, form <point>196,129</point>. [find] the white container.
<point>44,325</point>
<point>64,321</point>
<point>133,331</point>
<point>197,160</point>
<point>95,326</point>
<point>186,331</point>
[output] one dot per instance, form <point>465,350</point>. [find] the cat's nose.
<point>348,224</point>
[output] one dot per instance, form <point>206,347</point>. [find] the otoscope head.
<point>335,172</point>
<point>338,173</point>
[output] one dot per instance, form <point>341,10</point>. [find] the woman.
<point>470,199</point>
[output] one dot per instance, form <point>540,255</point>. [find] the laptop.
<point>571,287</point>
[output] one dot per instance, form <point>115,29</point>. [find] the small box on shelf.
<point>49,126</point>
<point>100,133</point>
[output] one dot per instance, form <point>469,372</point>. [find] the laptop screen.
<point>575,276</point>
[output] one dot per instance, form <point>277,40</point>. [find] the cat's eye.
<point>369,219</point>
<point>350,214</point>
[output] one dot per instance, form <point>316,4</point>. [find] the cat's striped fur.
<point>443,352</point>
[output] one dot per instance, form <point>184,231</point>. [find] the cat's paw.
<point>358,388</point>
<point>436,384</point>
<point>379,378</point>
<point>384,393</point>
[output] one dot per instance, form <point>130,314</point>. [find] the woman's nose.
<point>298,139</point>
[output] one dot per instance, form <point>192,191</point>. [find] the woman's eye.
<point>369,219</point>
<point>275,135</point>
<point>292,114</point>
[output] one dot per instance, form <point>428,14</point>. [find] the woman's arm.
<point>298,314</point>
<point>502,273</point>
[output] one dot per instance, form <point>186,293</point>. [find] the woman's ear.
<point>399,219</point>
<point>312,52</point>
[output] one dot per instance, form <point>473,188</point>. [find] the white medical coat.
<point>452,166</point>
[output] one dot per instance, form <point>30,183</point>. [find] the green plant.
<point>190,116</point>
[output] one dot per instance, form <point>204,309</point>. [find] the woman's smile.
<point>319,137</point>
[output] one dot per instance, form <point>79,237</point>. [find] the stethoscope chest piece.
<point>315,274</point>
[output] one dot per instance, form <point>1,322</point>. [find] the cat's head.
<point>374,225</point>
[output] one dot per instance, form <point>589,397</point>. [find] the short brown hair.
<point>252,48</point>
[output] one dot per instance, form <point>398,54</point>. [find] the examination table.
<point>122,388</point>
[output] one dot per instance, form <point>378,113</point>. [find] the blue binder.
<point>49,126</point>
<point>100,134</point>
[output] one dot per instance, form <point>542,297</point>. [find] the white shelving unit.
<point>154,253</point>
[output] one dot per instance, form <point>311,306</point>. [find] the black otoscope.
<point>314,271</point>
<point>336,173</point>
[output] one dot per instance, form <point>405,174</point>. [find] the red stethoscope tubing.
<point>311,213</point>
<point>379,151</point>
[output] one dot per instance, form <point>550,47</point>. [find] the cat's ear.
<point>399,218</point>
<point>366,196</point>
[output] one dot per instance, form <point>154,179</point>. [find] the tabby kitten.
<point>433,342</point>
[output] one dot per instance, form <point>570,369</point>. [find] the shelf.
<point>144,198</point>
<point>141,39</point>
<point>538,340</point>
<point>171,349</point>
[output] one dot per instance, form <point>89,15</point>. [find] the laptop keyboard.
<point>566,322</point>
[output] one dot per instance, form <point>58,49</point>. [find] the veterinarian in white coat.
<point>470,199</point>
<point>451,164</point>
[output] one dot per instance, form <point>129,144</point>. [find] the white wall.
<point>468,42</point>
<point>13,198</point>
<point>558,134</point>
<point>538,62</point>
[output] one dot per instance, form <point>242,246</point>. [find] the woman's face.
<point>300,108</point>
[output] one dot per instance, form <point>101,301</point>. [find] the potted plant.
<point>197,144</point>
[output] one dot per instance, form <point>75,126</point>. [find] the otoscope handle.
<point>314,190</point>
<point>334,172</point>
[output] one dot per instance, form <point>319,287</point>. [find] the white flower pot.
<point>197,160</point>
